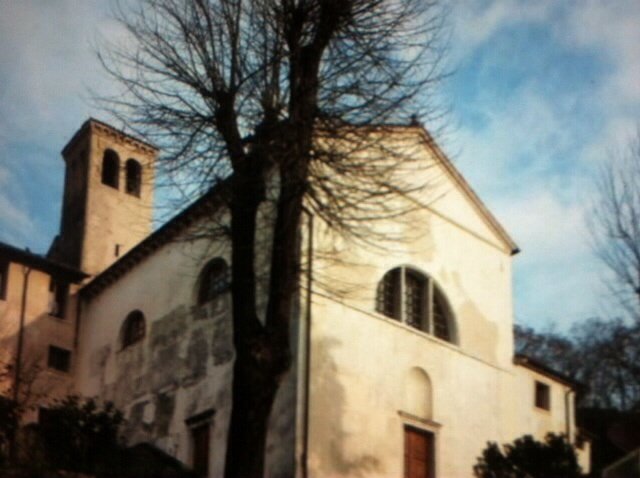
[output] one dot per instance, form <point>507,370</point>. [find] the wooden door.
<point>419,458</point>
<point>200,436</point>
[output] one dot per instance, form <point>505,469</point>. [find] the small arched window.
<point>415,299</point>
<point>134,177</point>
<point>133,329</point>
<point>110,168</point>
<point>214,280</point>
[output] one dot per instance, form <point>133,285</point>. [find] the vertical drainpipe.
<point>567,408</point>
<point>23,310</point>
<point>76,332</point>
<point>307,349</point>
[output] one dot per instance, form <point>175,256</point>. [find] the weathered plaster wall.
<point>182,368</point>
<point>362,362</point>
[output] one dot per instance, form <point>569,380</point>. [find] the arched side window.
<point>413,298</point>
<point>214,280</point>
<point>133,328</point>
<point>110,168</point>
<point>134,177</point>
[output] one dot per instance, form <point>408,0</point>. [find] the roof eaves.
<point>543,369</point>
<point>41,263</point>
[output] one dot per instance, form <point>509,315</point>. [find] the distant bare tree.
<point>279,102</point>
<point>616,224</point>
<point>602,354</point>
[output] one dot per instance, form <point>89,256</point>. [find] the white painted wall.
<point>361,361</point>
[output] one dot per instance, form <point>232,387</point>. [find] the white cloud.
<point>558,277</point>
<point>476,21</point>
<point>611,27</point>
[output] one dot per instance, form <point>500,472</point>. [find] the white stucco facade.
<point>363,364</point>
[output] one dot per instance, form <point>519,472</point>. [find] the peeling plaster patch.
<point>222,346</point>
<point>98,360</point>
<point>196,357</point>
<point>166,366</point>
<point>219,306</point>
<point>136,429</point>
<point>148,414</point>
<point>166,330</point>
<point>212,309</point>
<point>200,312</point>
<point>165,406</point>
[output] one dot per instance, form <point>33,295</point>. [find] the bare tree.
<point>616,224</point>
<point>280,101</point>
<point>601,354</point>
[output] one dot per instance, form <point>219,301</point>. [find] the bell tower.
<point>107,206</point>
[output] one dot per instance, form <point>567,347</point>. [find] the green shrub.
<point>528,458</point>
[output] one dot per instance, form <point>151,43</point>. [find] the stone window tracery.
<point>414,298</point>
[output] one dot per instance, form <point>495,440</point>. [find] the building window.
<point>133,328</point>
<point>543,396</point>
<point>59,358</point>
<point>134,177</point>
<point>214,280</point>
<point>58,293</point>
<point>110,168</point>
<point>4,279</point>
<point>415,299</point>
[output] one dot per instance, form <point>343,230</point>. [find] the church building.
<point>404,360</point>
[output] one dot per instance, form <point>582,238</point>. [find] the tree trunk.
<point>254,390</point>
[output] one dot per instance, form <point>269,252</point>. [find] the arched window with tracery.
<point>110,168</point>
<point>414,298</point>
<point>133,172</point>
<point>214,280</point>
<point>133,328</point>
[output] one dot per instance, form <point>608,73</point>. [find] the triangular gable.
<point>469,194</point>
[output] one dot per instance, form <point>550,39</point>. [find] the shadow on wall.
<point>329,406</point>
<point>482,333</point>
<point>40,382</point>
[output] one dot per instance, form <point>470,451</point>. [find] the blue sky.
<point>543,91</point>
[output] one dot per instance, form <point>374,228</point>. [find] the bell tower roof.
<point>94,125</point>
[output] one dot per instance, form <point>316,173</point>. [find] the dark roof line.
<point>161,236</point>
<point>543,369</point>
<point>41,263</point>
